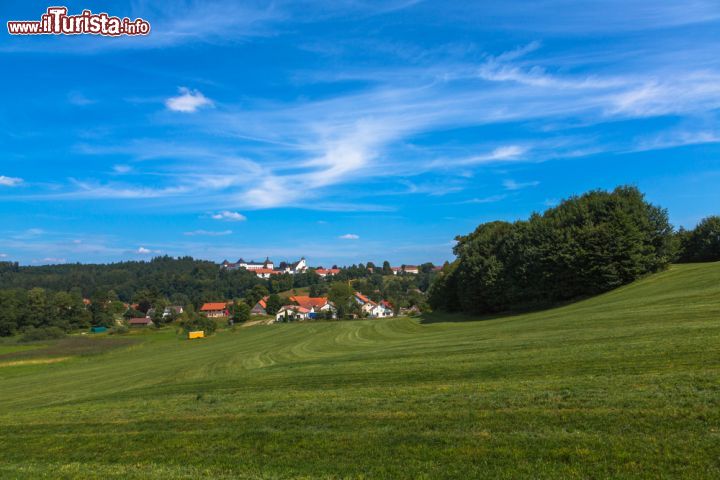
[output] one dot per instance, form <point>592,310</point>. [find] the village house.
<point>327,272</point>
<point>260,307</point>
<point>372,309</point>
<point>140,322</point>
<point>379,310</point>
<point>215,310</point>
<point>289,313</point>
<point>408,269</point>
<point>298,267</point>
<point>314,305</point>
<point>266,272</point>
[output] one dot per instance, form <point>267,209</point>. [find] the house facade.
<point>251,265</point>
<point>314,305</point>
<point>297,267</point>
<point>289,313</point>
<point>215,310</point>
<point>260,307</point>
<point>327,272</point>
<point>140,322</point>
<point>380,311</point>
<point>265,272</point>
<point>407,269</point>
<point>372,309</point>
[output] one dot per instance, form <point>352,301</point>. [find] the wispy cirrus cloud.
<point>208,233</point>
<point>513,185</point>
<point>302,152</point>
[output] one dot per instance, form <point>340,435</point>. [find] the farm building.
<point>215,310</point>
<point>140,322</point>
<point>260,306</point>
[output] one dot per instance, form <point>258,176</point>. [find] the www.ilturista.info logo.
<point>57,22</point>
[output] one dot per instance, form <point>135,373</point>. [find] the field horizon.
<point>622,385</point>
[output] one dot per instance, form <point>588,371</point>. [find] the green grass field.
<point>625,385</point>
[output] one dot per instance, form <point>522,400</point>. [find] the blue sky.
<point>347,131</point>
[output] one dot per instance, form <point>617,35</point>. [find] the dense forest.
<point>584,246</point>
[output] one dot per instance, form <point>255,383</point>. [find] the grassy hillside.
<point>626,385</point>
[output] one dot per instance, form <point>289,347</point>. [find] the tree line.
<point>586,245</point>
<point>75,296</point>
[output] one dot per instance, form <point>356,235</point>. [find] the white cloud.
<point>229,216</point>
<point>513,185</point>
<point>208,233</point>
<point>10,181</point>
<point>145,251</point>
<point>3,255</point>
<point>506,153</point>
<point>188,101</point>
<point>122,168</point>
<point>349,236</point>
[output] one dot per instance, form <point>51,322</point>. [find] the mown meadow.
<point>623,385</point>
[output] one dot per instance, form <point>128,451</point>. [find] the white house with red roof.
<point>372,309</point>
<point>289,313</point>
<point>380,310</point>
<point>266,272</point>
<point>215,310</point>
<point>315,305</point>
<point>327,272</point>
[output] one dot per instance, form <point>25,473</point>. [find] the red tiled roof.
<point>211,307</point>
<point>266,270</point>
<point>363,298</point>
<point>327,271</point>
<point>309,302</point>
<point>263,301</point>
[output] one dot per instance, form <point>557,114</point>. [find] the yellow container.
<point>199,334</point>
